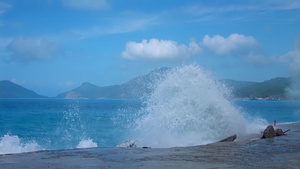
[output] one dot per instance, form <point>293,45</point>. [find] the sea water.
<point>187,107</point>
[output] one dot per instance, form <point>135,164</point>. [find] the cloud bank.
<point>233,44</point>
<point>156,49</point>
<point>32,49</point>
<point>239,45</point>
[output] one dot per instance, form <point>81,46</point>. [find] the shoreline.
<point>233,98</point>
<point>279,152</point>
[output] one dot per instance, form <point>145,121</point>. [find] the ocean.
<point>187,112</point>
<point>51,124</point>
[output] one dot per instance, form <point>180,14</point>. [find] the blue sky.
<point>52,46</point>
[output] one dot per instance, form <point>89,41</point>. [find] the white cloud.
<point>87,4</point>
<point>156,49</point>
<point>244,48</point>
<point>233,44</point>
<point>31,49</point>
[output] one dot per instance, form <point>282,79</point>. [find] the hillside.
<point>12,90</point>
<point>133,89</point>
<point>274,89</point>
<point>88,90</point>
<point>138,87</point>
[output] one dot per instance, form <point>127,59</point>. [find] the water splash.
<point>72,130</point>
<point>86,143</point>
<point>188,107</point>
<point>13,144</point>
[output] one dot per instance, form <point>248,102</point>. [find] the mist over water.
<point>292,59</point>
<point>189,107</point>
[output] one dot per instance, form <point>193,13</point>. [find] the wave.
<point>13,144</point>
<point>86,143</point>
<point>189,107</point>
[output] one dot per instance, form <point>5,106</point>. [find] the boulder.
<point>279,132</point>
<point>269,132</point>
<point>229,139</point>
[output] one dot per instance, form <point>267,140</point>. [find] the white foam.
<point>86,143</point>
<point>188,107</point>
<point>286,123</point>
<point>12,144</point>
<point>129,143</point>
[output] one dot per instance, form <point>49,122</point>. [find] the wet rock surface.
<point>229,139</point>
<point>279,132</point>
<point>269,132</point>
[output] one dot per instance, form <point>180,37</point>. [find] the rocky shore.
<point>277,152</point>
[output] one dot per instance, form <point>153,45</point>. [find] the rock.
<point>229,139</point>
<point>269,132</point>
<point>279,132</point>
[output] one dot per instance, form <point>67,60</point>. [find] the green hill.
<point>133,89</point>
<point>274,89</point>
<point>138,87</point>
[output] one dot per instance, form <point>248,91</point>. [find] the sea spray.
<point>86,143</point>
<point>13,144</point>
<point>188,107</point>
<point>73,129</point>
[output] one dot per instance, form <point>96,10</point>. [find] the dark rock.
<point>229,139</point>
<point>279,132</point>
<point>147,147</point>
<point>269,132</point>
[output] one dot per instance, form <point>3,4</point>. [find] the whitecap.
<point>86,143</point>
<point>13,144</point>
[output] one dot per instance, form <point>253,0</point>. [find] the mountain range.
<point>140,86</point>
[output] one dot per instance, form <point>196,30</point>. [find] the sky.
<point>52,46</point>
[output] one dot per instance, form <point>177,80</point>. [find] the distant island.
<point>274,89</point>
<point>9,89</point>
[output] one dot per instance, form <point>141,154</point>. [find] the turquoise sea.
<point>182,120</point>
<point>51,124</point>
